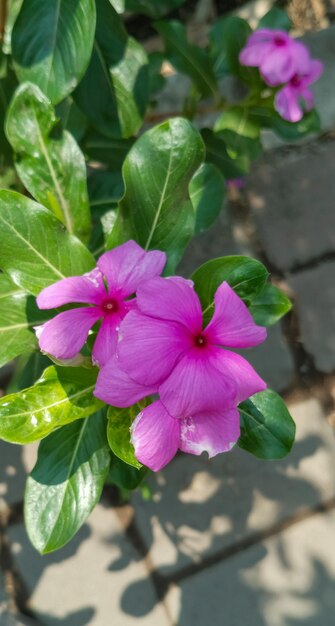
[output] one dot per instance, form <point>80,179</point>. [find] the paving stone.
<point>7,619</point>
<point>291,202</point>
<point>15,463</point>
<point>287,580</point>
<point>87,582</point>
<point>322,46</point>
<point>202,506</point>
<point>315,302</point>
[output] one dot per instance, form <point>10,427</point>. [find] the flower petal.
<point>315,71</point>
<point>212,432</point>
<point>126,266</point>
<point>242,373</point>
<point>155,436</point>
<point>277,67</point>
<point>287,103</point>
<point>149,348</point>
<point>232,324</point>
<point>88,288</point>
<point>171,299</point>
<point>65,334</point>
<point>196,385</point>
<point>116,388</point>
<point>105,344</point>
<point>253,54</point>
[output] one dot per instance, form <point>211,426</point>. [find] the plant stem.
<point>3,17</point>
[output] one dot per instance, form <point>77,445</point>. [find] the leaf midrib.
<point>68,398</point>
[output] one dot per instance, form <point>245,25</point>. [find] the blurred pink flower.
<point>106,289</point>
<point>291,100</point>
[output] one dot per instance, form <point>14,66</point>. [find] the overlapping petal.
<point>89,289</point>
<point>149,348</point>
<point>155,436</point>
<point>246,379</point>
<point>212,432</point>
<point>288,104</point>
<point>106,341</point>
<point>65,334</point>
<point>116,388</point>
<point>232,324</point>
<point>126,266</point>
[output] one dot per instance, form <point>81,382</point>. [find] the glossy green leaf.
<point>216,153</point>
<point>52,43</point>
<point>53,170</point>
<point>288,131</point>
<point>118,432</point>
<point>267,428</point>
<point>241,134</point>
<point>18,316</point>
<point>155,210</point>
<point>13,8</point>
<point>124,475</point>
<point>114,92</point>
<point>207,192</point>
<point>227,38</point>
<point>61,396</point>
<point>275,18</point>
<point>151,8</point>
<point>187,58</point>
<point>269,306</point>
<point>66,482</point>
<point>245,275</point>
<point>35,248</point>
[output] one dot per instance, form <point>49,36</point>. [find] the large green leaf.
<point>18,315</point>
<point>267,428</point>
<point>227,38</point>
<point>269,306</point>
<point>155,210</point>
<point>245,275</point>
<point>35,248</point>
<point>52,42</point>
<point>53,170</point>
<point>151,8</point>
<point>66,482</point>
<point>118,432</point>
<point>114,92</point>
<point>207,193</point>
<point>187,58</point>
<point>61,396</point>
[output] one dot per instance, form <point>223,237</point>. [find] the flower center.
<point>110,306</point>
<point>279,41</point>
<point>200,341</point>
<point>295,81</point>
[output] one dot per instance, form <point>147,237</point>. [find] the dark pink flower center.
<point>200,341</point>
<point>279,41</point>
<point>110,306</point>
<point>295,80</point>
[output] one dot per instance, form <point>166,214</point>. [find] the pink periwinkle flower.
<point>163,349</point>
<point>290,99</point>
<point>275,53</point>
<point>107,291</point>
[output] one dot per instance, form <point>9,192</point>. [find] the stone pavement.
<point>232,540</point>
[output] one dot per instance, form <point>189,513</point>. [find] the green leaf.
<point>275,18</point>
<point>18,315</point>
<point>118,431</point>
<point>52,43</point>
<point>227,38</point>
<point>289,131</point>
<point>114,92</point>
<point>155,210</point>
<point>207,193</point>
<point>66,482</point>
<point>187,58</point>
<point>267,428</point>
<point>216,153</point>
<point>61,396</point>
<point>269,306</point>
<point>72,118</point>
<point>28,370</point>
<point>241,134</point>
<point>35,249</point>
<point>8,84</point>
<point>151,8</point>
<point>245,275</point>
<point>157,81</point>
<point>52,169</point>
<point>106,150</point>
<point>125,476</point>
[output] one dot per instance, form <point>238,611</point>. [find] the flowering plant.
<point>120,363</point>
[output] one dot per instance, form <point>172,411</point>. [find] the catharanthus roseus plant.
<point>120,362</point>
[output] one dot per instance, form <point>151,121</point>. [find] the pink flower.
<point>106,290</point>
<point>164,349</point>
<point>288,100</point>
<point>275,53</point>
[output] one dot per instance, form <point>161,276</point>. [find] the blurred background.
<point>233,540</point>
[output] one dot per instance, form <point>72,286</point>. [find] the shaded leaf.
<point>125,476</point>
<point>269,306</point>
<point>275,18</point>
<point>216,153</point>
<point>227,37</point>
<point>118,431</point>
<point>207,193</point>
<point>151,8</point>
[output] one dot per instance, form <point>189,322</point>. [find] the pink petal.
<point>155,436</point>
<point>315,71</point>
<point>287,103</point>
<point>241,372</point>
<point>65,334</point>
<point>126,266</point>
<point>232,324</point>
<point>277,67</point>
<point>149,348</point>
<point>88,288</point>
<point>212,432</point>
<point>196,385</point>
<point>171,299</point>
<point>254,54</point>
<point>301,58</point>
<point>105,344</point>
<point>269,35</point>
<point>116,388</point>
